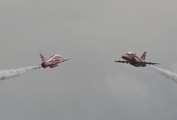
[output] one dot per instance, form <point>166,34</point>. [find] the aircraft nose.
<point>68,58</point>
<point>123,56</point>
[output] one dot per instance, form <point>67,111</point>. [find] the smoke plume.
<point>167,74</point>
<point>7,74</point>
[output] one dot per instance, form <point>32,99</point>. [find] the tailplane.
<point>43,58</point>
<point>143,55</point>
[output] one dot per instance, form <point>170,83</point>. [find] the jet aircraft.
<point>134,60</point>
<point>53,61</point>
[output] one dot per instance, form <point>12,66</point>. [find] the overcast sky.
<point>94,33</point>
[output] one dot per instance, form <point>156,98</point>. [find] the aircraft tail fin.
<point>143,55</point>
<point>42,57</point>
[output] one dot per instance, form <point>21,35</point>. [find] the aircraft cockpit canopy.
<point>130,53</point>
<point>55,55</point>
<point>58,55</point>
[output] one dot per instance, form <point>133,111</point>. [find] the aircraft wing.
<point>139,63</point>
<point>149,63</point>
<point>122,61</point>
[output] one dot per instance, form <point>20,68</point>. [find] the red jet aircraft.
<point>134,60</point>
<point>53,61</point>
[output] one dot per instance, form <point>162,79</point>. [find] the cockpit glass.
<point>130,53</point>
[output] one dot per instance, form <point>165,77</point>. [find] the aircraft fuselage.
<point>53,61</point>
<point>133,59</point>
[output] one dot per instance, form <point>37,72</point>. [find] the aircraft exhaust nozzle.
<point>44,64</point>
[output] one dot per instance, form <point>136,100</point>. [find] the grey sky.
<point>93,33</point>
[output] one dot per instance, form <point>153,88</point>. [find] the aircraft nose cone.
<point>123,56</point>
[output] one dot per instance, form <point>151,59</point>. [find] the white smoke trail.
<point>167,74</point>
<point>7,74</point>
